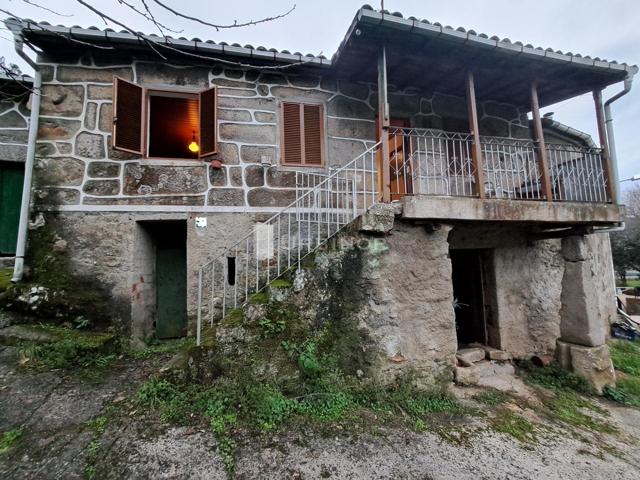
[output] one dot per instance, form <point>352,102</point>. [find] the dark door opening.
<point>170,239</point>
<point>11,178</point>
<point>468,292</point>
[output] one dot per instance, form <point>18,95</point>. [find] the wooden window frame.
<point>323,119</point>
<point>149,91</point>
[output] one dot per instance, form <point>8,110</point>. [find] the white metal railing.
<point>434,162</point>
<point>323,206</point>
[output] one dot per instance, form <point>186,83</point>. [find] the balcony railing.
<point>433,162</point>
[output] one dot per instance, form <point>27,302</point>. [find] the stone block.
<point>266,197</point>
<point>469,356</point>
<point>300,94</point>
<point>226,196</point>
<point>356,129</point>
<point>140,200</point>
<point>355,90</point>
<point>497,355</point>
<point>99,92</point>
<point>57,128</point>
<point>14,136</point>
<point>117,154</point>
<point>496,127</point>
<point>235,175</point>
<point>102,187</point>
<point>65,148</point>
<point>594,365</point>
<point>260,134</point>
<point>234,115</point>
<point>254,176</point>
<point>63,100</point>
<point>56,196</point>
<point>563,354</point>
<point>90,145</point>
<point>228,153</point>
<point>580,322</point>
<point>146,179</point>
<point>74,74</point>
<point>281,178</point>
<point>236,92</point>
<point>13,153</point>
<point>307,81</point>
<point>12,119</point>
<point>90,116</point>
<point>61,171</point>
<point>379,219</point>
<point>105,122</point>
<point>268,104</point>
<point>502,110</point>
<point>265,117</point>
<point>158,73</point>
<point>340,106</point>
<point>254,154</point>
<point>103,169</point>
<point>225,82</point>
<point>466,375</point>
<point>575,248</point>
<point>449,106</point>
<point>218,176</point>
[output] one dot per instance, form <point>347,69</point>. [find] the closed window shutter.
<point>291,133</point>
<point>208,123</point>
<point>312,134</point>
<point>127,116</point>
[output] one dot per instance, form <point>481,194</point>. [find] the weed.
<point>272,328</point>
<point>554,377</point>
<point>570,409</point>
<point>9,438</point>
<point>171,346</point>
<point>492,398</point>
<point>626,391</point>
<point>259,298</point>
<point>626,356</point>
<point>514,425</point>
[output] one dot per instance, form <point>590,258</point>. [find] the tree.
<point>625,245</point>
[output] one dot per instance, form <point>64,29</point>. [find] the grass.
<point>631,283</point>
<point>626,360</point>
<point>492,398</point>
<point>9,438</point>
<point>165,347</point>
<point>5,278</point>
<point>512,424</point>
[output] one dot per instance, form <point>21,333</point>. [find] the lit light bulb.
<point>193,146</point>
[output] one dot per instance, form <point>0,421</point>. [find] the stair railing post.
<point>199,322</point>
<point>476,151</point>
<point>605,158</point>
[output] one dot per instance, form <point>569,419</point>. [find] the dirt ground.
<point>55,408</point>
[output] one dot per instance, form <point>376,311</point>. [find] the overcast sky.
<point>604,28</point>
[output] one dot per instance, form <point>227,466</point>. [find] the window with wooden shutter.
<point>302,127</point>
<point>208,123</point>
<point>127,116</point>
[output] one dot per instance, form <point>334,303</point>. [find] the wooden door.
<point>11,178</point>
<point>400,165</point>
<point>171,291</point>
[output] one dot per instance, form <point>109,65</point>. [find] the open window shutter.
<point>291,133</point>
<point>208,123</point>
<point>127,116</point>
<point>312,134</point>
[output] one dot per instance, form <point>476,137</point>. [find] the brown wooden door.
<point>399,161</point>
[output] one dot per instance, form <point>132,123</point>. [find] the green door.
<point>11,177</point>
<point>171,292</point>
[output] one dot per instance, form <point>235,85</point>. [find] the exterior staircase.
<point>324,205</point>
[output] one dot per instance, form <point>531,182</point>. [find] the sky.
<point>606,29</point>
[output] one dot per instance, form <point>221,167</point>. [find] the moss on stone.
<point>234,318</point>
<point>259,298</point>
<point>280,283</point>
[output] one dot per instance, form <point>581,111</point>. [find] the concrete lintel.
<point>504,210</point>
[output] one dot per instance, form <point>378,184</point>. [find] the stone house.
<point>181,187</point>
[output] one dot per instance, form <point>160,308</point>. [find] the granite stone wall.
<point>77,169</point>
<point>14,128</point>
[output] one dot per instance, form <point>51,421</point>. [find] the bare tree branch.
<point>235,24</point>
<point>37,5</point>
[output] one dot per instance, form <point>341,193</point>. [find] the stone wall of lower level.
<point>14,128</point>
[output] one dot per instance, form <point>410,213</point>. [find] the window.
<point>164,124</point>
<point>302,134</point>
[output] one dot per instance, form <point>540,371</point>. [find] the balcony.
<point>435,175</point>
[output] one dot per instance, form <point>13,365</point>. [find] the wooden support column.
<point>607,168</point>
<point>541,147</point>
<point>384,122</point>
<point>476,152</point>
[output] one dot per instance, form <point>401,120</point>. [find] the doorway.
<point>11,178</point>
<point>166,251</point>
<point>400,165</point>
<point>469,284</point>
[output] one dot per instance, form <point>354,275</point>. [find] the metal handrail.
<point>278,245</point>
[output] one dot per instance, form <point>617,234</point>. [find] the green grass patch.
<point>492,398</point>
<point>259,298</point>
<point>5,278</point>
<point>69,348</point>
<point>512,424</point>
<point>9,439</point>
<point>573,409</point>
<point>626,356</point>
<point>630,283</point>
<point>164,347</point>
<point>281,283</point>
<point>554,378</point>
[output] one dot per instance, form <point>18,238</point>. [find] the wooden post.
<point>384,121</point>
<point>541,148</point>
<point>607,168</point>
<point>476,152</point>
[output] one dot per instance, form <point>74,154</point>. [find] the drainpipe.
<point>608,120</point>
<point>18,269</point>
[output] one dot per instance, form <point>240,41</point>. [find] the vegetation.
<point>68,348</point>
<point>626,359</point>
<point>514,425</point>
<point>9,438</point>
<point>164,347</point>
<point>5,278</point>
<point>492,398</point>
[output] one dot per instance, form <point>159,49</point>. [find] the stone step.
<point>484,373</point>
<point>492,353</point>
<point>468,356</point>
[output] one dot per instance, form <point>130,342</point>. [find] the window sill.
<point>172,162</point>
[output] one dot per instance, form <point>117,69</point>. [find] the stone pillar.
<point>582,345</point>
